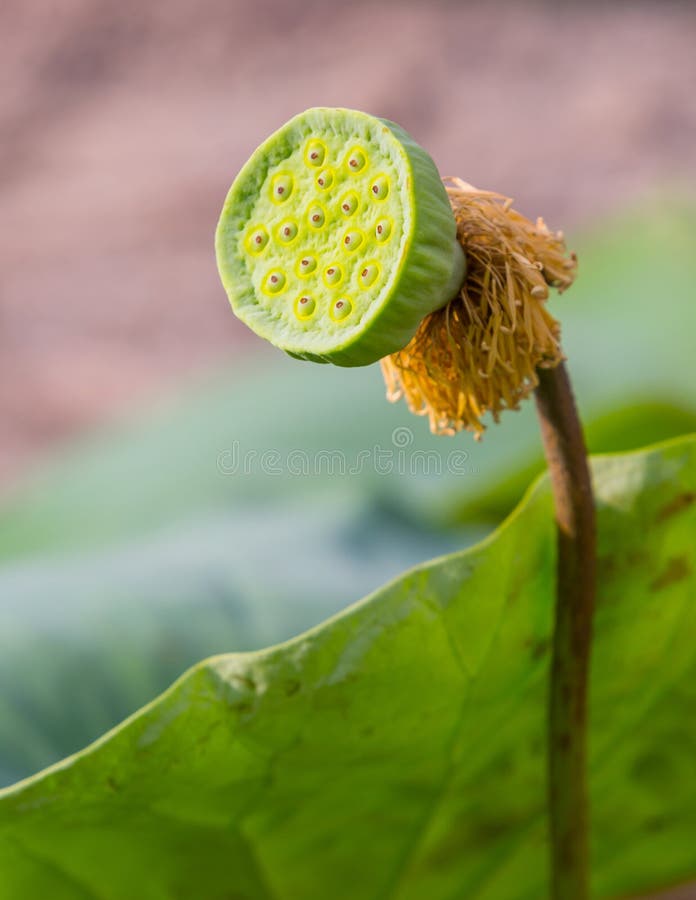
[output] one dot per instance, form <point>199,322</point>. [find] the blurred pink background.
<point>124,123</point>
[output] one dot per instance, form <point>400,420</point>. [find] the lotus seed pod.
<point>337,238</point>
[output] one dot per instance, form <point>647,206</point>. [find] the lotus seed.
<point>316,217</point>
<point>325,179</point>
<point>333,275</point>
<point>287,231</point>
<point>304,307</point>
<point>352,240</point>
<point>349,204</point>
<point>281,188</point>
<point>275,282</point>
<point>380,188</point>
<point>341,309</point>
<point>356,161</point>
<point>315,153</point>
<point>383,230</point>
<point>368,275</point>
<point>306,265</point>
<point>257,240</point>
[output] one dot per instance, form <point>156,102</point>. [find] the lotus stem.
<point>575,596</point>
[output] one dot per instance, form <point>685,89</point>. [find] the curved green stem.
<point>575,592</point>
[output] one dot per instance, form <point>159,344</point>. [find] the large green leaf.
<point>397,750</point>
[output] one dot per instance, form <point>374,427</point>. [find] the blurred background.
<point>124,123</point>
<point>130,547</point>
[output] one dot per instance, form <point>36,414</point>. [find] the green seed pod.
<point>337,238</point>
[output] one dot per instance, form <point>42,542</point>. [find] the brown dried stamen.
<point>479,354</point>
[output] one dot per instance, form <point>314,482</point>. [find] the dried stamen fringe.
<point>479,353</point>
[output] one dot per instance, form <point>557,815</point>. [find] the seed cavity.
<point>316,217</point>
<point>383,230</point>
<point>368,274</point>
<point>352,240</point>
<point>349,203</point>
<point>315,153</point>
<point>287,231</point>
<point>306,265</point>
<point>256,240</point>
<point>275,281</point>
<point>305,306</point>
<point>341,309</point>
<point>356,160</point>
<point>281,187</point>
<point>379,189</point>
<point>325,179</point>
<point>332,275</point>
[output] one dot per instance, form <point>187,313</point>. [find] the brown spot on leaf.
<point>677,569</point>
<point>656,824</point>
<point>540,648</point>
<point>676,505</point>
<point>537,647</point>
<point>291,688</point>
<point>612,565</point>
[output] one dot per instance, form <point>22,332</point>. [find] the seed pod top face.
<point>337,238</point>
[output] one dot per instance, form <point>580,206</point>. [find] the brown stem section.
<point>575,592</point>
